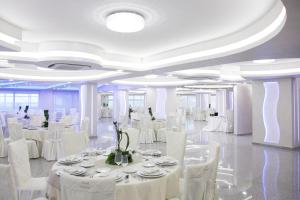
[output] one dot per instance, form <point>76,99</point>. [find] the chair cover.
<point>18,158</point>
<point>15,132</point>
<point>161,134</point>
<point>3,144</point>
<point>84,129</point>
<point>8,190</point>
<point>133,134</point>
<point>78,188</point>
<point>73,143</point>
<point>146,130</point>
<point>176,142</point>
<point>53,146</point>
<point>228,127</point>
<point>196,181</point>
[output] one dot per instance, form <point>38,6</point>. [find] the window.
<point>32,100</point>
<point>136,101</point>
<point>11,101</point>
<point>6,101</point>
<point>110,101</point>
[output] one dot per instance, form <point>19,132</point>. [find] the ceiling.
<point>199,35</point>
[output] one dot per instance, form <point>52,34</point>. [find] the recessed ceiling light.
<point>125,22</point>
<point>151,76</point>
<point>265,61</point>
<point>120,70</point>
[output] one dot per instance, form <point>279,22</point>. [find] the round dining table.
<point>132,186</point>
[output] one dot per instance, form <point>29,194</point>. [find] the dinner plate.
<point>130,170</point>
<point>148,165</point>
<point>87,164</point>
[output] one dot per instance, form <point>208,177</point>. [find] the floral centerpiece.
<point>120,136</point>
<point>151,114</point>
<point>45,123</point>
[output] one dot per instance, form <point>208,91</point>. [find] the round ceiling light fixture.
<point>125,22</point>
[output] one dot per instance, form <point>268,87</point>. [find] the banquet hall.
<point>149,100</point>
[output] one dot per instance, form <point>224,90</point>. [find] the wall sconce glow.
<point>272,129</point>
<point>125,22</point>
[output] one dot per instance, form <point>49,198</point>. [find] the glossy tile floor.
<point>246,171</point>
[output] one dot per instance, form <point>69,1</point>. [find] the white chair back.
<point>8,190</point>
<point>55,131</point>
<point>176,143</point>
<point>84,128</point>
<point>196,181</point>
<point>171,121</point>
<point>133,134</point>
<point>78,188</point>
<point>3,145</point>
<point>15,131</point>
<point>73,143</point>
<point>18,158</point>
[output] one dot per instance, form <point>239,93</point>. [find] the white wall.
<point>242,109</point>
<point>285,113</point>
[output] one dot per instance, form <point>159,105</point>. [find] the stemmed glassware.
<point>124,160</point>
<point>118,158</point>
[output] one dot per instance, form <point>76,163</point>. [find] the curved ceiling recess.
<point>160,44</point>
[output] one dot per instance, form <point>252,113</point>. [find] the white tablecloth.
<point>136,189</point>
<point>215,123</point>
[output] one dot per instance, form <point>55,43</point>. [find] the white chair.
<point>146,130</point>
<point>8,190</point>
<point>15,133</point>
<point>53,146</point>
<point>73,143</point>
<point>228,122</point>
<point>176,142</point>
<point>78,188</point>
<point>133,134</point>
<point>3,144</point>
<point>84,129</point>
<point>27,186</point>
<point>197,179</point>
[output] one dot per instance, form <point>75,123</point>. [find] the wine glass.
<point>124,160</point>
<point>118,158</point>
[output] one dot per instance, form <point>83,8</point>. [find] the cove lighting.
<point>266,61</point>
<point>151,76</point>
<point>125,22</point>
<point>44,69</point>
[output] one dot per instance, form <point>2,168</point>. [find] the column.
<point>242,109</point>
<point>120,105</point>
<point>276,112</point>
<point>88,104</point>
